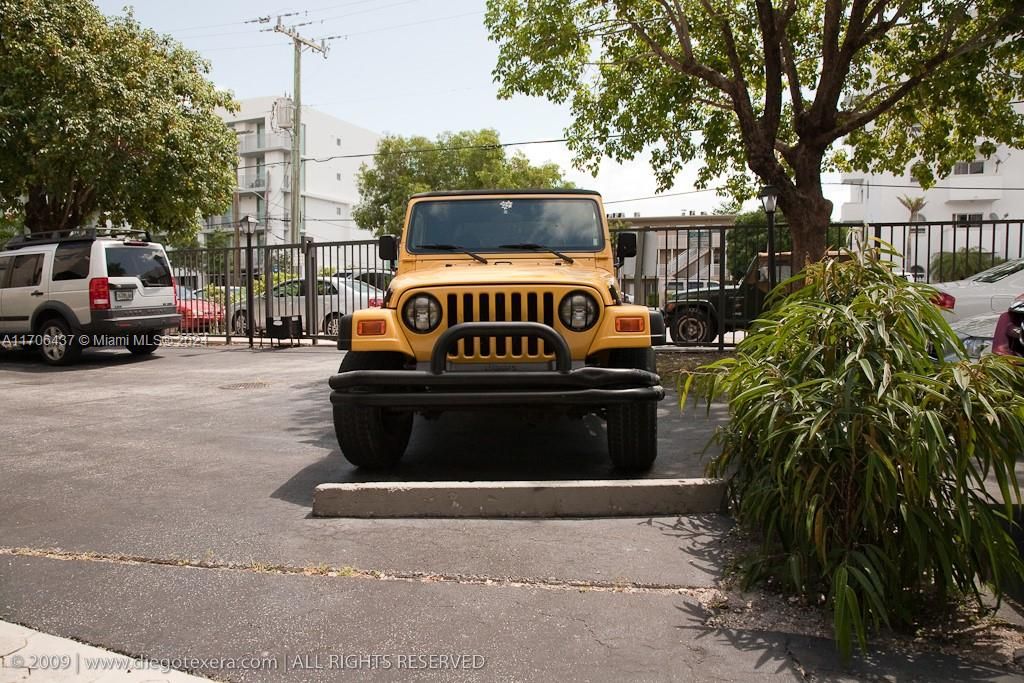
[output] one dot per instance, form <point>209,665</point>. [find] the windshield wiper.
<point>537,247</point>
<point>452,247</point>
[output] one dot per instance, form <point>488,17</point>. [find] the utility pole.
<point>296,196</point>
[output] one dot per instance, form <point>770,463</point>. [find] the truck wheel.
<point>369,436</point>
<point>693,326</point>
<point>633,427</point>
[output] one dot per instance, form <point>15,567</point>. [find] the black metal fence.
<point>710,280</point>
<point>298,290</point>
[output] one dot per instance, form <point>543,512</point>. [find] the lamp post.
<point>248,225</point>
<point>769,197</point>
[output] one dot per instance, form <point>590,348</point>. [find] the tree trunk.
<point>807,212</point>
<point>808,228</point>
<point>46,212</point>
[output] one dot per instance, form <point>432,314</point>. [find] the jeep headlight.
<point>422,313</point>
<point>578,311</point>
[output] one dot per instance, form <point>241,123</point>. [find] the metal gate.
<point>285,291</point>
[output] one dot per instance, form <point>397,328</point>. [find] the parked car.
<point>375,278</point>
<point>988,292</point>
<point>677,286</point>
<point>335,297</point>
<point>198,314</point>
<point>66,290</point>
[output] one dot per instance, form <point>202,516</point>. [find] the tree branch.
<point>852,120</point>
<point>772,68</point>
<point>689,66</point>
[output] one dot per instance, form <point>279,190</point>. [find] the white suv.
<point>65,291</point>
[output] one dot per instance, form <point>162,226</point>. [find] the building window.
<point>338,210</point>
<point>338,141</point>
<point>969,168</point>
<point>338,176</point>
<point>966,220</point>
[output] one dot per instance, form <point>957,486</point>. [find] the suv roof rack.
<point>75,234</point>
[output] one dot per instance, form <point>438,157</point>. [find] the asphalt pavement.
<point>160,507</point>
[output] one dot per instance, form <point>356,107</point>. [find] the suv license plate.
<point>123,294</point>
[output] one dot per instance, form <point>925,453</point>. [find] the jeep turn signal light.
<point>371,328</point>
<point>630,324</point>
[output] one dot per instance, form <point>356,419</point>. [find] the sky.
<point>403,67</point>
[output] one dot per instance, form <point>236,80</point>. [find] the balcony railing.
<point>257,142</point>
<point>256,182</point>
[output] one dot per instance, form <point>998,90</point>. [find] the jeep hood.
<point>581,273</point>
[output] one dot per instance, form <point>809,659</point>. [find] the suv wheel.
<point>58,345</point>
<point>145,346</point>
<point>369,436</point>
<point>693,326</point>
<point>633,427</point>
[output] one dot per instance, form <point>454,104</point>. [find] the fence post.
<point>226,254</point>
<point>721,288</point>
<point>312,288</point>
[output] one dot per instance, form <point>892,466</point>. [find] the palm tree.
<point>914,205</point>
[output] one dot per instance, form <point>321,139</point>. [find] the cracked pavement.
<point>149,507</point>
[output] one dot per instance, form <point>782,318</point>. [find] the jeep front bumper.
<point>441,388</point>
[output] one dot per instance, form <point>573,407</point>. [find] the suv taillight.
<point>99,294</point>
<point>174,286</point>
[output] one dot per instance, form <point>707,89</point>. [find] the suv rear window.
<point>145,263</point>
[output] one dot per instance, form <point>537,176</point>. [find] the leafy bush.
<point>859,457</point>
<point>947,266</point>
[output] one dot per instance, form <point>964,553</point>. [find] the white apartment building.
<point>328,185</point>
<point>978,190</point>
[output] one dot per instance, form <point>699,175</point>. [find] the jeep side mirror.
<point>626,245</point>
<point>387,248</point>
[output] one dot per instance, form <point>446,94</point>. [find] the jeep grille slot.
<point>501,306</point>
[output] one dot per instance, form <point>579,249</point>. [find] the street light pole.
<point>769,199</point>
<point>248,224</point>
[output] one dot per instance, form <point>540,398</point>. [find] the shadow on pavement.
<point>29,361</point>
<point>495,445</point>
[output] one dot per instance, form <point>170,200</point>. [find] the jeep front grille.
<point>498,305</point>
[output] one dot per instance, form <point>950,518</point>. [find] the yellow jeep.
<point>503,298</point>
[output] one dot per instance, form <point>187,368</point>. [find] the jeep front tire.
<point>633,427</point>
<point>369,436</point>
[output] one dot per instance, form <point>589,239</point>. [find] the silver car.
<point>334,298</point>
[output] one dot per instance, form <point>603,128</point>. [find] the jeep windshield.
<point>506,224</point>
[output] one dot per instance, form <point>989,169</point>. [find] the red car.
<point>198,314</point>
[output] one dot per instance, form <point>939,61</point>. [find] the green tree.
<point>468,160</point>
<point>961,264</point>
<point>11,224</point>
<point>764,89</point>
<point>101,119</point>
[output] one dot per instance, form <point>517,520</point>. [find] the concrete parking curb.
<point>29,655</point>
<point>581,498</point>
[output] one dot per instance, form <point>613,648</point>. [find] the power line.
<point>431,150</point>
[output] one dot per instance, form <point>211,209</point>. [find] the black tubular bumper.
<point>440,388</point>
